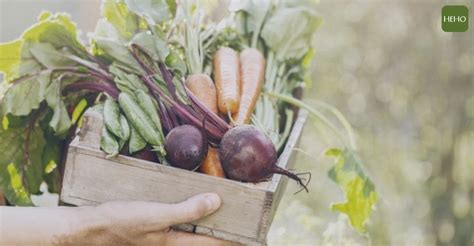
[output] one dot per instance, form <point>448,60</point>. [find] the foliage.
<point>49,62</point>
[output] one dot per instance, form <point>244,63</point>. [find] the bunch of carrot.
<point>238,80</point>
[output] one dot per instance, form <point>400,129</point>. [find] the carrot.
<point>227,79</point>
<point>252,70</point>
<point>203,88</point>
<point>212,164</point>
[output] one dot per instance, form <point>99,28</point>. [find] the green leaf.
<point>154,11</point>
<point>48,56</point>
<point>106,30</point>
<point>12,184</point>
<point>120,17</point>
<point>35,168</point>
<point>118,52</point>
<point>256,12</point>
<point>289,32</point>
<point>57,30</point>
<point>13,161</point>
<point>5,122</point>
<point>51,159</point>
<point>153,45</point>
<point>24,96</point>
<point>16,60</point>
<point>358,189</point>
<point>175,63</point>
<point>60,122</point>
<point>10,59</point>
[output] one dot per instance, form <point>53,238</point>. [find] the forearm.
<point>111,223</point>
<point>40,226</point>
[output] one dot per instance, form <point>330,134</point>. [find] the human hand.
<point>143,223</point>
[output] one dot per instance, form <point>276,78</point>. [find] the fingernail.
<point>213,202</point>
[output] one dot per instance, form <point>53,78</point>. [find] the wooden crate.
<point>247,209</point>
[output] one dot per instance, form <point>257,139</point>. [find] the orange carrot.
<point>212,164</point>
<point>252,72</point>
<point>227,79</point>
<point>203,88</point>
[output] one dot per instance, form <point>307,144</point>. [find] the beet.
<point>248,155</point>
<point>146,154</point>
<point>185,147</point>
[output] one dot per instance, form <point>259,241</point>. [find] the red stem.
<point>214,118</point>
<point>94,86</point>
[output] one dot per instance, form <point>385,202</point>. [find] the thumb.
<point>194,208</point>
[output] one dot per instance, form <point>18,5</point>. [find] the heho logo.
<point>455,18</point>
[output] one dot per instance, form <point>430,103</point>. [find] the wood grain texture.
<point>247,210</point>
<point>90,132</point>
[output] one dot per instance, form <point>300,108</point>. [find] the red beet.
<point>185,147</point>
<point>248,155</point>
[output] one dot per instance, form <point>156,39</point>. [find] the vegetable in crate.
<point>185,147</point>
<point>250,156</point>
<point>252,72</point>
<point>227,79</point>
<point>203,88</point>
<point>198,115</point>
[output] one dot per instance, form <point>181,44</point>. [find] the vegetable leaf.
<point>117,13</point>
<point>48,56</point>
<point>24,96</point>
<point>118,52</point>
<point>11,56</point>
<point>174,62</point>
<point>57,30</point>
<point>256,11</point>
<point>289,31</point>
<point>153,45</point>
<point>358,188</point>
<point>154,11</point>
<point>60,122</point>
<point>12,185</point>
<point>13,162</point>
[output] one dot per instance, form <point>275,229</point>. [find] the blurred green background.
<point>408,89</point>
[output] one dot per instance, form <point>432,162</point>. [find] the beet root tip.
<point>293,176</point>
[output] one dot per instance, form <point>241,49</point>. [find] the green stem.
<point>288,126</point>
<point>341,118</point>
<point>300,104</point>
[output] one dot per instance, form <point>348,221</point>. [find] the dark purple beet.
<point>248,155</point>
<point>185,147</point>
<point>146,154</point>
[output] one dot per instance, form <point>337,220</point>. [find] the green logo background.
<point>450,18</point>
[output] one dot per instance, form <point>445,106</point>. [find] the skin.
<point>111,223</point>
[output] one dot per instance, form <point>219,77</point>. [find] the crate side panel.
<point>278,183</point>
<point>93,179</point>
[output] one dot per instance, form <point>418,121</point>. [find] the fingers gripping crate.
<point>247,209</point>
